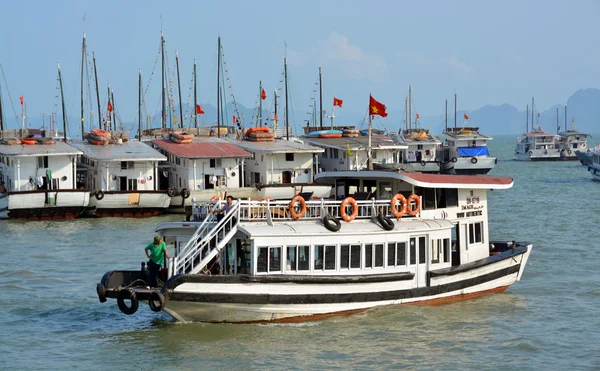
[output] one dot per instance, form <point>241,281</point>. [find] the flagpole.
<point>321,101</point>
<point>369,156</point>
<point>195,99</point>
<point>259,118</point>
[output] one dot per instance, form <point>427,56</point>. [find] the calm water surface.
<point>51,317</point>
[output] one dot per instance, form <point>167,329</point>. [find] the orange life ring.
<point>417,201</point>
<point>214,198</point>
<point>293,212</point>
<point>29,141</point>
<point>398,213</point>
<point>100,132</point>
<point>345,216</point>
<point>260,129</point>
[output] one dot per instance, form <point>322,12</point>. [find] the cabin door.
<point>418,249</point>
<point>286,177</point>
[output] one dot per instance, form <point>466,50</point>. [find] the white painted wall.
<point>272,165</point>
<point>105,175</point>
<point>16,171</point>
<point>329,162</point>
<point>190,173</point>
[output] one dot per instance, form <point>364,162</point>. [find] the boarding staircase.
<point>207,242</point>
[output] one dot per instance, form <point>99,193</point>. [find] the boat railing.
<point>202,248</point>
<point>282,210</point>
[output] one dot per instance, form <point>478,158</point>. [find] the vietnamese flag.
<point>376,108</point>
<point>234,119</point>
<point>22,99</point>
<point>465,116</point>
<point>417,115</point>
<point>263,95</point>
<point>110,107</point>
<point>276,118</point>
<point>337,102</point>
<point>199,110</point>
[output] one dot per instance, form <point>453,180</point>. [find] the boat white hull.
<point>474,165</point>
<point>129,204</point>
<point>292,302</point>
<point>540,155</point>
<point>43,205</point>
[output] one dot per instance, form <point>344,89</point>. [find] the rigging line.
<point>226,74</point>
<point>9,95</point>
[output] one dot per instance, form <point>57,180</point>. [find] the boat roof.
<point>538,134</point>
<point>205,147</point>
<point>355,143</point>
<point>459,133</point>
<point>424,180</point>
<point>24,150</point>
<point>127,151</point>
<point>357,227</point>
<point>568,133</point>
<point>278,146</point>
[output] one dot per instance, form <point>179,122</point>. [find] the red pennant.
<point>263,95</point>
<point>110,107</point>
<point>234,120</point>
<point>22,99</point>
<point>276,118</point>
<point>417,115</point>
<point>337,102</point>
<point>199,110</point>
<point>465,116</point>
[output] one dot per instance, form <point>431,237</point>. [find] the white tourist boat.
<point>470,146</point>
<point>293,260</point>
<point>572,141</point>
<point>38,181</point>
<point>123,179</point>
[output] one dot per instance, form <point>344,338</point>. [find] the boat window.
<point>476,232</point>
<point>345,256</point>
<point>43,162</point>
<point>324,257</point>
<point>261,261</point>
<point>329,257</point>
<point>435,251</point>
<point>355,256</point>
<point>275,259</point>
<point>413,251</point>
<point>269,259</point>
<point>370,186</point>
<point>379,255</point>
<point>297,258</point>
<point>335,153</point>
<point>319,257</point>
<point>446,197</point>
<point>421,250</point>
<point>446,250</point>
<point>368,256</point>
<point>428,195</point>
<point>385,190</point>
<point>289,157</point>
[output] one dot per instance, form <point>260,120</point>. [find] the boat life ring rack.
<point>349,201</point>
<point>297,214</point>
<point>398,213</point>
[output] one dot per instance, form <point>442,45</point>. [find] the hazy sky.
<point>486,52</point>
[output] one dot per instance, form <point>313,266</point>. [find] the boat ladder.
<point>206,242</point>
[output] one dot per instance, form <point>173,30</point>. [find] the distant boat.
<point>585,156</point>
<point>537,145</point>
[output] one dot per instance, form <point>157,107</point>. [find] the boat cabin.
<point>278,161</point>
<point>571,141</point>
<point>350,153</point>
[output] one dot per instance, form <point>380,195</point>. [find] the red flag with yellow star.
<point>376,108</point>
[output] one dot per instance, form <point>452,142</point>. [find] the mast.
<point>1,113</point>
<point>97,93</point>
<point>23,118</point>
<point>108,124</point>
<point>219,87</point>
<point>557,124</point>
<point>532,110</point>
<point>321,101</point>
<point>287,123</point>
<point>114,111</point>
<point>409,107</point>
<point>446,113</point>
<point>406,111</point>
<point>195,98</point>
<point>259,118</point>
<point>275,101</point>
<point>565,117</point>
<point>82,72</point>
<point>179,88</point>
<point>62,99</point>
<point>527,120</point>
<point>140,106</point>
<point>162,55</point>
<point>455,104</point>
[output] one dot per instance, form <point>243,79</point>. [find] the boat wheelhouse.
<point>470,146</point>
<point>123,179</point>
<point>421,149</point>
<point>39,181</point>
<point>350,153</point>
<point>570,142</point>
<point>420,238</point>
<point>198,169</point>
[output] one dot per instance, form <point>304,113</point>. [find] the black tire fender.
<point>473,160</point>
<point>331,223</point>
<point>385,222</point>
<point>185,193</point>
<point>99,195</point>
<point>171,192</point>
<point>423,163</point>
<point>128,295</point>
<point>156,301</point>
<point>454,159</point>
<point>101,291</point>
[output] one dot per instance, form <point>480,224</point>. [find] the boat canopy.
<point>473,151</point>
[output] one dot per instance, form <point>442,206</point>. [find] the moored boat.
<point>421,238</point>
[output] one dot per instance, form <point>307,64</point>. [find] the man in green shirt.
<point>156,252</point>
